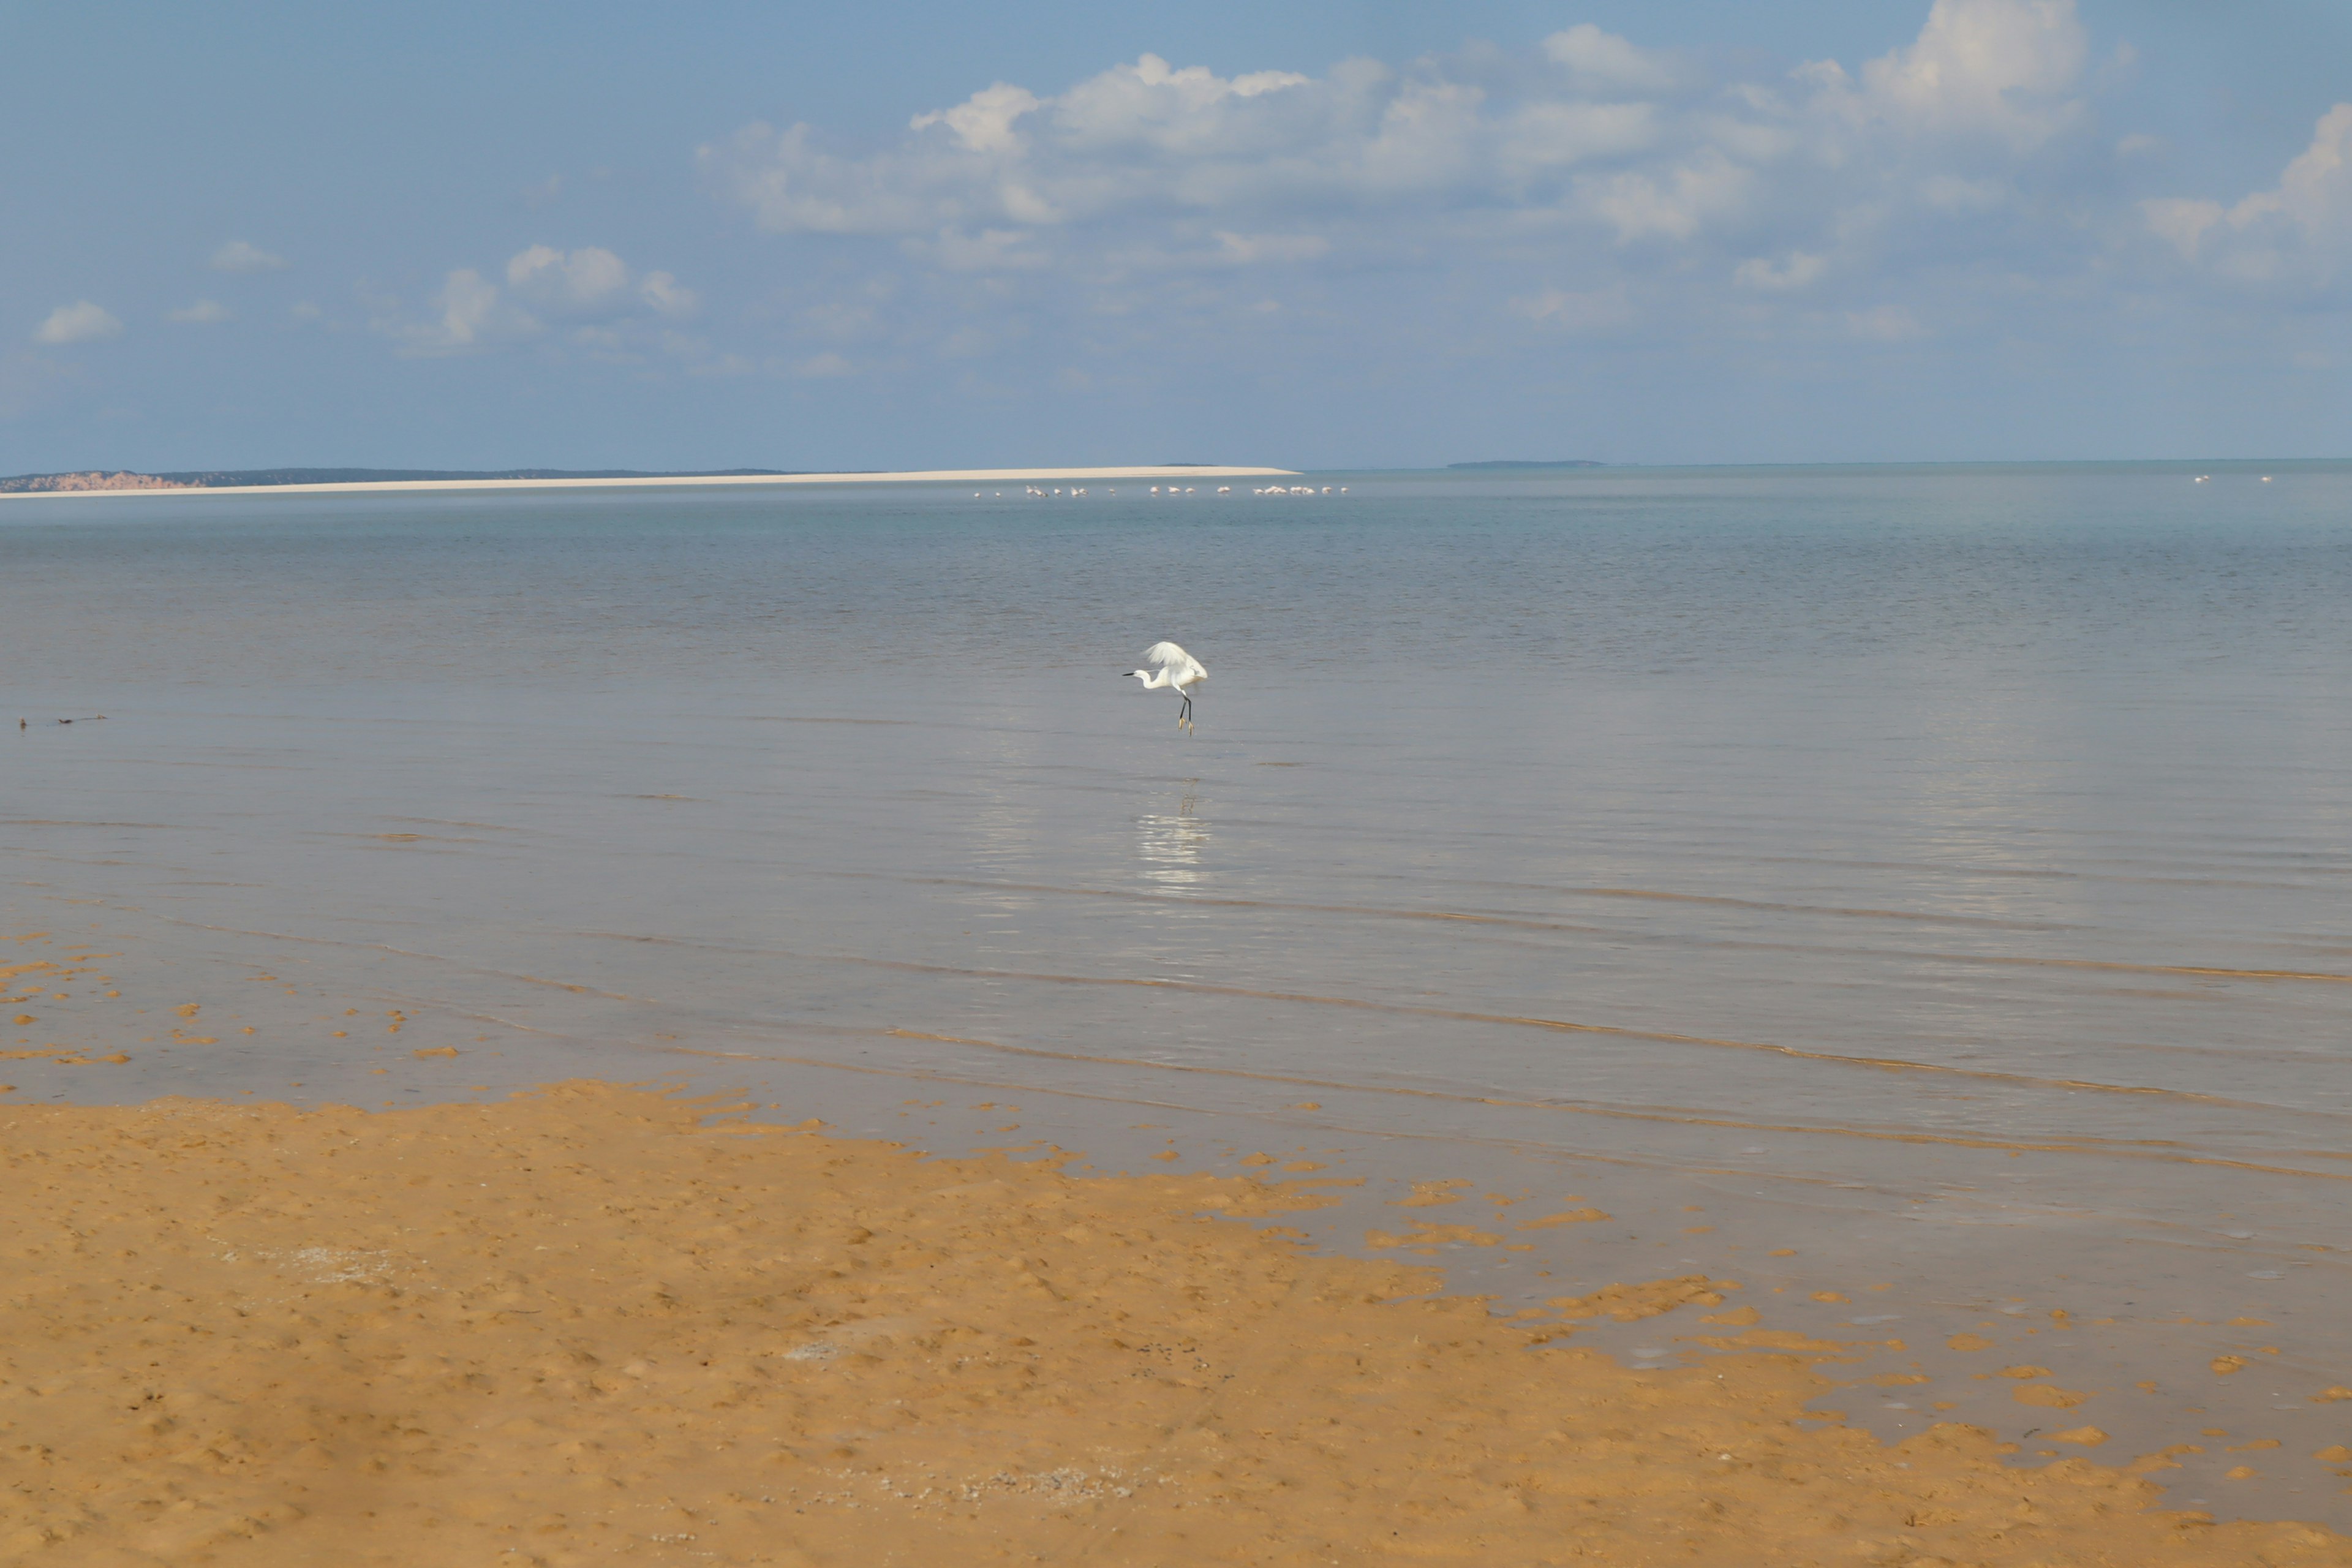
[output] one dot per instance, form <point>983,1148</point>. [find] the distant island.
<point>247,479</point>
<point>1515,463</point>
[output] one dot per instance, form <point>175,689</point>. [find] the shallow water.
<point>1939,873</point>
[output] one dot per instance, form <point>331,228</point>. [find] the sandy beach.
<point>595,1323</point>
<point>908,476</point>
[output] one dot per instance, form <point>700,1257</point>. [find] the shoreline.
<point>594,1319</point>
<point>912,476</point>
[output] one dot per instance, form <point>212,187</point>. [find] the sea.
<point>1922,895</point>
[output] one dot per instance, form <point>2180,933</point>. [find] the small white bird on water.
<point>1178,672</point>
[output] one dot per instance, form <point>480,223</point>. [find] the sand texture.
<point>588,1325</point>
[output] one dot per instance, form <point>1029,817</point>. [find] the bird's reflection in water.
<point>1168,848</point>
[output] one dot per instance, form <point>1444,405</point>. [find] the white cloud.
<point>1604,139</point>
<point>584,280</point>
<point>1546,136</point>
<point>1604,61</point>
<point>2181,220</point>
<point>604,307</point>
<point>1673,203</point>
<point>2002,68</point>
<point>593,281</point>
<point>203,312</point>
<point>1963,171</point>
<point>80,323</point>
<point>2298,233</point>
<point>665,294</point>
<point>1134,140</point>
<point>824,365</point>
<point>983,122</point>
<point>239,256</point>
<point>469,307</point>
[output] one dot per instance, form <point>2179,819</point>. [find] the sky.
<point>1326,234</point>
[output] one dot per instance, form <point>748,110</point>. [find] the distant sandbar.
<point>916,476</point>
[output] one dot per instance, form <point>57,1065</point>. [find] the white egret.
<point>1178,672</point>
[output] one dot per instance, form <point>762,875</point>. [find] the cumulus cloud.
<point>239,256</point>
<point>79,322</point>
<point>2299,233</point>
<point>590,292</point>
<point>587,278</point>
<point>1582,185</point>
<point>1590,143</point>
<point>2002,68</point>
<point>467,311</point>
<point>665,294</point>
<point>1604,62</point>
<point>1146,139</point>
<point>1675,203</point>
<point>983,122</point>
<point>201,313</point>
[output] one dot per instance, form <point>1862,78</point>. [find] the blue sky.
<point>1317,235</point>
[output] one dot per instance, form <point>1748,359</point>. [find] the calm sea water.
<point>1940,878</point>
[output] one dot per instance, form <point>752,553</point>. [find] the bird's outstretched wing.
<point>1181,667</point>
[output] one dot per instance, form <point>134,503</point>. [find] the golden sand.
<point>586,1325</point>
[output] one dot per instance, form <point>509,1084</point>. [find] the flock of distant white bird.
<point>1076,490</point>
<point>1168,666</point>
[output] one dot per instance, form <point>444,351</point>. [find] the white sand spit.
<point>908,476</point>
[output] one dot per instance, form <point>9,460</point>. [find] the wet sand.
<point>595,1323</point>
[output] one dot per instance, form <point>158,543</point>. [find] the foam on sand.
<point>589,1322</point>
